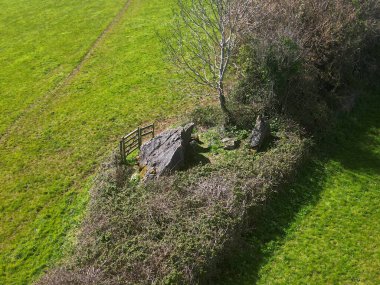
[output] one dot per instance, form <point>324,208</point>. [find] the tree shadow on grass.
<point>351,144</point>
<point>270,224</point>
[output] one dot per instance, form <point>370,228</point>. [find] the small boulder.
<point>230,143</point>
<point>260,133</point>
<point>165,153</point>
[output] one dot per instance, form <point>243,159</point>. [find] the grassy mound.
<point>176,229</point>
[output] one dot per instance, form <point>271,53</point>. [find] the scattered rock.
<point>166,152</point>
<point>260,133</point>
<point>230,143</point>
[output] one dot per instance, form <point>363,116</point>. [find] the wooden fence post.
<point>139,136</point>
<point>122,150</point>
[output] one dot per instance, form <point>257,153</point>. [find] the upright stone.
<point>260,133</point>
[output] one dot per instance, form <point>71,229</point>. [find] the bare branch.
<point>203,39</point>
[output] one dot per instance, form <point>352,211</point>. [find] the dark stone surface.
<point>260,133</point>
<point>165,153</point>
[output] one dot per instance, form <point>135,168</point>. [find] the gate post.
<point>139,136</point>
<point>122,150</point>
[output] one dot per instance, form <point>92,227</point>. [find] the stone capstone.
<point>165,153</point>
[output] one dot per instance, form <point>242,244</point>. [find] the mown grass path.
<point>50,152</point>
<point>55,89</point>
<point>325,228</point>
<point>40,43</point>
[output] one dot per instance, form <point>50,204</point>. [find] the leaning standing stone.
<point>260,133</point>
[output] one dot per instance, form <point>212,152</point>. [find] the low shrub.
<point>244,115</point>
<point>207,116</point>
<point>174,230</point>
<point>299,55</point>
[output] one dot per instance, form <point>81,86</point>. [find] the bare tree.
<point>203,39</point>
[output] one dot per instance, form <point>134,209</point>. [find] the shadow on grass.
<point>349,144</point>
<point>196,156</point>
<point>270,225</point>
<point>355,136</point>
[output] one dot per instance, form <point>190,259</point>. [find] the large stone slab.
<point>165,153</point>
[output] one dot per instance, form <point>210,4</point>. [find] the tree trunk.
<point>228,118</point>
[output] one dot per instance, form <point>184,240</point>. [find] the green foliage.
<point>277,83</point>
<point>300,71</point>
<point>238,133</point>
<point>244,115</point>
<point>268,69</point>
<point>207,116</point>
<point>213,139</point>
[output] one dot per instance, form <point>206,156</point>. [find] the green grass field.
<point>325,228</point>
<point>75,75</point>
<point>55,127</point>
